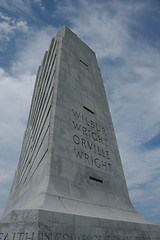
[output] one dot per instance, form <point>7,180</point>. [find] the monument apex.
<point>70,177</point>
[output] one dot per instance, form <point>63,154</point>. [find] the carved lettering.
<point>6,237</point>
<point>97,162</point>
<point>114,235</point>
<point>90,123</point>
<point>76,139</point>
<point>14,234</point>
<point>90,134</point>
<point>85,131</point>
<point>58,236</point>
<point>92,161</point>
<point>76,126</point>
<point>83,142</point>
<point>30,237</point>
<point>75,114</point>
<point>48,236</point>
<point>65,236</point>
<point>90,146</point>
<point>78,153</point>
<point>98,127</point>
<point>86,157</point>
<point>92,139</point>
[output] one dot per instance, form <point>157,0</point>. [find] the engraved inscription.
<point>90,142</point>
<point>65,236</point>
<point>110,235</point>
<point>18,236</point>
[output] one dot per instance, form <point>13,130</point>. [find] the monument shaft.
<point>70,182</point>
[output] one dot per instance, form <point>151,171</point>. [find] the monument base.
<point>46,225</point>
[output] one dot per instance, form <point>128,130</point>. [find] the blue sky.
<point>125,36</point>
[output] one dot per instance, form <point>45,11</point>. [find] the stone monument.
<point>70,184</point>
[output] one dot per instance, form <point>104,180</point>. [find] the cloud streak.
<point>8,26</point>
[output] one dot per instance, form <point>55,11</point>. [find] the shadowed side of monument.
<point>70,170</point>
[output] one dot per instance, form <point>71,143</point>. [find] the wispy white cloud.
<point>40,3</point>
<point>17,6</point>
<point>22,7</point>
<point>32,50</point>
<point>9,27</point>
<point>95,20</point>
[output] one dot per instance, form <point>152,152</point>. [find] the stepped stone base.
<point>47,225</point>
